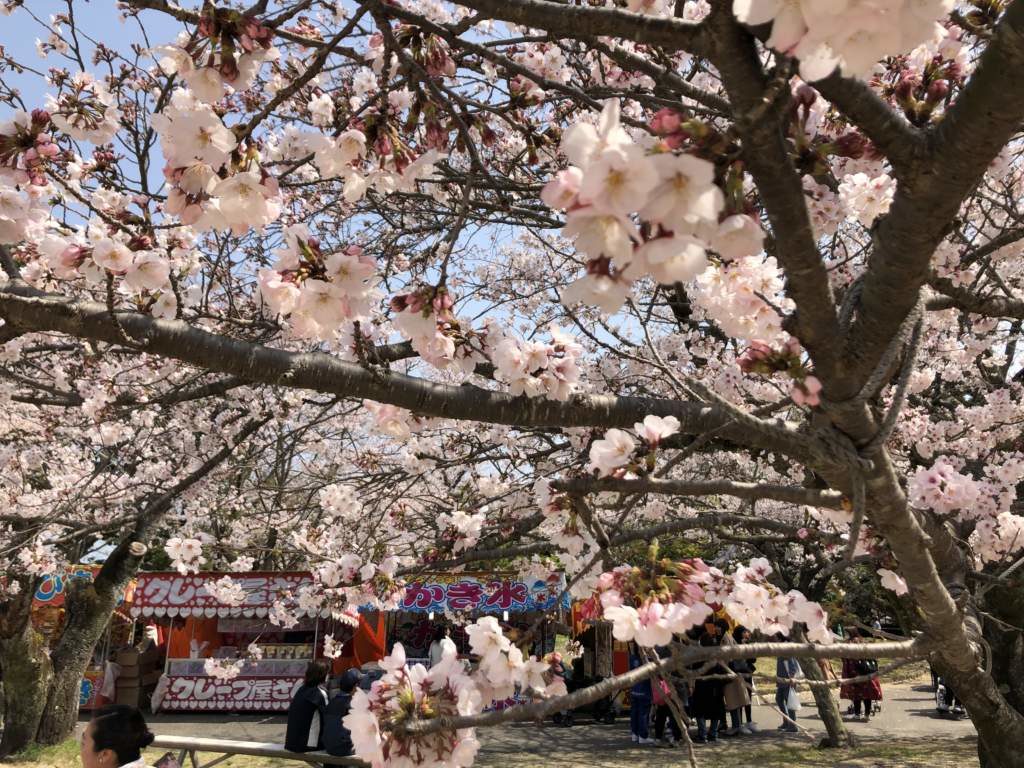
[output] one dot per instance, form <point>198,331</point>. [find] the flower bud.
<point>937,91</point>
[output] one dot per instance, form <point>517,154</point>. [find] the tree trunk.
<point>88,612</point>
<point>26,669</point>
<point>828,707</point>
<point>1005,604</point>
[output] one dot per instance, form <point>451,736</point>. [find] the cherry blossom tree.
<point>571,276</point>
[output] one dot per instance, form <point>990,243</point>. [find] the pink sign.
<point>242,694</point>
<point>174,594</point>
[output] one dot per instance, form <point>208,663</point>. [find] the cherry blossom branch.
<point>791,494</point>
<point>707,521</point>
<point>955,297</point>
<point>313,68</point>
<point>780,187</point>
<point>899,141</point>
<point>681,657</point>
<point>183,14</point>
<point>30,310</point>
<point>573,21</point>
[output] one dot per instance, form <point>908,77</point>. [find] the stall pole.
<point>316,635</point>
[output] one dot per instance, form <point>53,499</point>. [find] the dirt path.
<point>907,727</point>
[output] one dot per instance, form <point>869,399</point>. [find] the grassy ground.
<point>898,753</point>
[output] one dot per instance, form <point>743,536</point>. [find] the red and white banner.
<point>243,694</point>
<point>172,594</point>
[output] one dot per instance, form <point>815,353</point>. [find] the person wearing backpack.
<point>863,692</point>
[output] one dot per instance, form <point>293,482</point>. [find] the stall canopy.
<point>174,594</point>
<point>484,593</point>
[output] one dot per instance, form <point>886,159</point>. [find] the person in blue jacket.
<point>337,738</point>
<point>639,702</point>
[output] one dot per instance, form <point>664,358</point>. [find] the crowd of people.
<point>718,697</point>
<point>718,702</point>
<point>715,696</point>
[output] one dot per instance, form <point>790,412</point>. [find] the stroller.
<point>946,702</point>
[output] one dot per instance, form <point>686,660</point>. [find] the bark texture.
<point>27,672</point>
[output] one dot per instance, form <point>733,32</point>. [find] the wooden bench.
<point>225,748</point>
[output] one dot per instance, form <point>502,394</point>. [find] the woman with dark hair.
<point>736,690</point>
<point>708,700</point>
<point>115,738</point>
<point>306,712</point>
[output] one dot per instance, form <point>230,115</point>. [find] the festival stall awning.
<point>174,594</point>
<point>484,593</point>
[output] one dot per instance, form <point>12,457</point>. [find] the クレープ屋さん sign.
<point>201,693</point>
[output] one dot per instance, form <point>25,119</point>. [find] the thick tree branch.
<point>955,297</point>
<point>741,490</point>
<point>322,373</point>
<point>575,21</point>
<point>983,119</point>
<point>897,139</point>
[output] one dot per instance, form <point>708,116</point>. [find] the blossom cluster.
<point>318,291</point>
<point>186,554</point>
<point>616,453</point>
<point>461,527</point>
<point>533,368</point>
<point>84,109</point>
<point>763,359</point>
<point>425,316</point>
<point>383,720</point>
<point>650,605</point>
<point>611,183</point>
<point>850,34</point>
<point>216,183</point>
<point>226,53</point>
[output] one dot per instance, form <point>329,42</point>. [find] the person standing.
<point>306,712</point>
<point>437,645</point>
<point>786,671</point>
<point>639,703</point>
<point>746,668</point>
<point>862,692</point>
<point>735,691</point>
<point>708,699</point>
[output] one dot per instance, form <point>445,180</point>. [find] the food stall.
<point>434,599</point>
<point>48,617</point>
<point>202,627</point>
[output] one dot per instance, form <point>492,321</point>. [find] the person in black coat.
<point>337,739</point>
<point>708,700</point>
<point>306,712</point>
